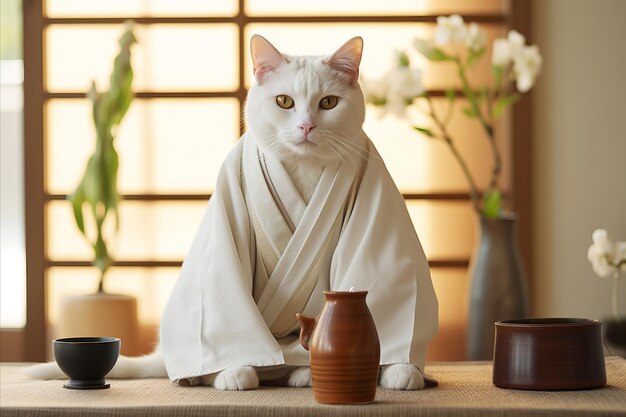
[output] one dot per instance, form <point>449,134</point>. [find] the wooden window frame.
<point>33,340</point>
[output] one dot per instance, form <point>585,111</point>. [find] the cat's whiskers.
<point>361,156</point>
<point>365,160</point>
<point>274,142</point>
<point>354,150</point>
<point>359,166</point>
<point>344,155</point>
<point>358,157</point>
<point>348,143</point>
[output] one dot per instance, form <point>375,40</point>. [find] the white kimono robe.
<point>261,255</point>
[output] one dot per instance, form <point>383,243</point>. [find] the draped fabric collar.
<point>296,232</point>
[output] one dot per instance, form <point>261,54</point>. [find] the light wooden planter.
<point>101,315</point>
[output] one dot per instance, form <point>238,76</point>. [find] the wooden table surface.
<point>465,389</point>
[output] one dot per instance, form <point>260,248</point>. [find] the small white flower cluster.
<point>453,29</point>
<point>460,46</point>
<point>607,257</point>
<point>526,59</point>
<point>396,89</point>
<point>511,58</point>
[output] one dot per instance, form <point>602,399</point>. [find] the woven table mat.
<point>465,389</point>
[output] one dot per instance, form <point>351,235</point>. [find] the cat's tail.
<point>147,366</point>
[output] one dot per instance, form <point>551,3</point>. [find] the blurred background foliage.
<point>10,29</point>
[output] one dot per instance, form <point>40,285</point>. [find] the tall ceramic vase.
<point>497,284</point>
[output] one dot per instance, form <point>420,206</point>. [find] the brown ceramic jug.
<point>344,348</point>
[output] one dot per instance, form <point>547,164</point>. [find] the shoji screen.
<point>191,73</point>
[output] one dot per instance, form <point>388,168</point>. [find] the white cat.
<point>306,110</point>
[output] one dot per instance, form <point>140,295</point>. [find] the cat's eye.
<point>284,101</point>
<point>329,102</point>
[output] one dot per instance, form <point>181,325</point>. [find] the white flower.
<point>405,82</point>
<point>450,29</point>
<point>404,85</point>
<point>516,42</point>
<point>606,256</point>
<point>600,238</point>
<point>396,90</point>
<point>506,50</point>
<point>476,38</point>
<point>526,66</point>
<point>526,59</point>
<point>599,262</point>
<point>501,53</point>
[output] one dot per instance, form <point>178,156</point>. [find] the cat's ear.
<point>348,58</point>
<point>265,58</point>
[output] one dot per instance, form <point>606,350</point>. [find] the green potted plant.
<point>94,201</point>
<point>497,281</point>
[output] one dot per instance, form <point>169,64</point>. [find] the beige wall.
<point>579,150</point>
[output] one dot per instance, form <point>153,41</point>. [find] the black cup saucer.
<point>77,384</point>
<point>86,360</point>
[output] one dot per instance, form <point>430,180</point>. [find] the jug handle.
<point>307,324</point>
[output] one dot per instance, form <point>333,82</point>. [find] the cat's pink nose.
<point>306,128</point>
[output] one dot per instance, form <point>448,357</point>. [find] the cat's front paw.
<point>401,376</point>
<point>300,377</point>
<point>237,378</point>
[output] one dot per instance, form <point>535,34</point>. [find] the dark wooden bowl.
<point>548,354</point>
<point>86,360</point>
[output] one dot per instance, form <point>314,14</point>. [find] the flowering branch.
<point>462,45</point>
<point>469,93</point>
<point>445,136</point>
<point>608,259</point>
